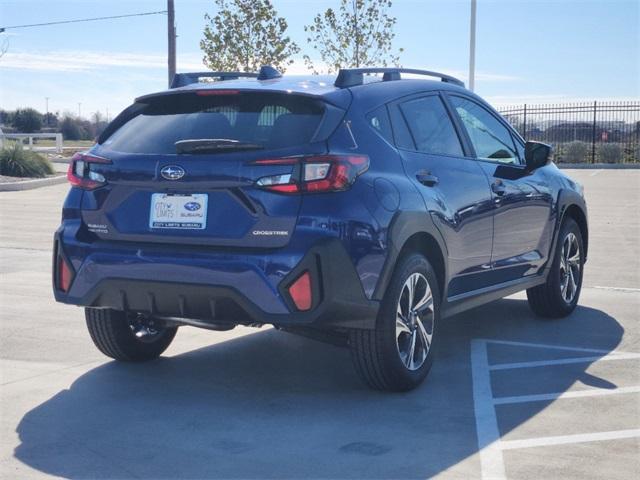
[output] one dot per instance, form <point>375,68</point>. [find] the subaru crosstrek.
<point>361,211</point>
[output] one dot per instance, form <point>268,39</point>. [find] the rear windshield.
<point>267,120</point>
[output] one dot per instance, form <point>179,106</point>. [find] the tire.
<point>557,297</point>
<point>118,335</point>
<point>381,356</point>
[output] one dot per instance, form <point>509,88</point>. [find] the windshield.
<point>244,120</point>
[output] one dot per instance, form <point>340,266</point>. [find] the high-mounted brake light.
<point>80,174</point>
<point>314,174</point>
<point>207,93</point>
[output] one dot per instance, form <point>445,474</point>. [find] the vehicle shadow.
<point>273,405</point>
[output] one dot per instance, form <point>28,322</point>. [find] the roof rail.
<point>267,72</point>
<point>350,77</point>
<point>183,79</point>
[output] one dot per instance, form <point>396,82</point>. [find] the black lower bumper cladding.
<point>338,298</point>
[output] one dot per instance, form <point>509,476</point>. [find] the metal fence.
<point>596,132</point>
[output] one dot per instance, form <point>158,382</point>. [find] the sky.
<point>527,51</point>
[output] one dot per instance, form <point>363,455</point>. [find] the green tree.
<point>27,120</point>
<point>70,129</point>
<point>359,34</point>
<point>244,35</point>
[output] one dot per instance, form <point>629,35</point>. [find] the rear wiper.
<point>214,145</point>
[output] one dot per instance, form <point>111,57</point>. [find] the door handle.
<point>498,188</point>
<point>425,178</point>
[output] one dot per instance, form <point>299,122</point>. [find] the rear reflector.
<point>300,292</point>
<point>64,275</point>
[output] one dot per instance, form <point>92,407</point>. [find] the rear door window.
<point>270,121</point>
<point>431,127</point>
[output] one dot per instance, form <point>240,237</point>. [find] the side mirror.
<point>536,155</point>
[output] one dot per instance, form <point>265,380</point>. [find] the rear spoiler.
<point>183,79</point>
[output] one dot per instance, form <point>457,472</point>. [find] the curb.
<point>31,184</point>
<point>600,166</point>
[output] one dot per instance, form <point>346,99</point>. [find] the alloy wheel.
<point>415,321</point>
<point>569,267</point>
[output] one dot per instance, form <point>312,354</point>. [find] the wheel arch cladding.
<point>427,245</point>
<point>413,232</point>
<point>572,204</point>
<point>576,213</point>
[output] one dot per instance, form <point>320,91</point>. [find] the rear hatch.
<point>186,168</point>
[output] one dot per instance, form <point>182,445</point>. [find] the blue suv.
<point>360,210</point>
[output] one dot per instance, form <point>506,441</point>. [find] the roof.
<point>319,85</point>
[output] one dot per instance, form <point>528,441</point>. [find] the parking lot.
<point>509,396</point>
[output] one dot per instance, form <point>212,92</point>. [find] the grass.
<point>15,161</point>
<point>45,142</point>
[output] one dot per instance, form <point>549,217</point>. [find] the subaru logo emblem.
<point>192,206</point>
<point>172,172</point>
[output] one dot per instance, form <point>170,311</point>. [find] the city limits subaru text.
<point>360,210</point>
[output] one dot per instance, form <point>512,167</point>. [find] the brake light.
<point>80,174</point>
<point>64,275</point>
<point>300,292</point>
<point>207,93</point>
<point>315,174</point>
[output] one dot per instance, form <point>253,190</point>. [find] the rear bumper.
<point>216,286</point>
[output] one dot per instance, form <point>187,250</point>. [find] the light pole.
<point>79,110</point>
<point>472,47</point>
<point>171,40</point>
<point>46,99</point>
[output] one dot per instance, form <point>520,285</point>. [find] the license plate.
<point>178,211</point>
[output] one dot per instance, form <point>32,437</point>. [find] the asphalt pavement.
<point>509,396</point>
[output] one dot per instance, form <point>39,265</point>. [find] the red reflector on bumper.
<point>64,275</point>
<point>300,292</point>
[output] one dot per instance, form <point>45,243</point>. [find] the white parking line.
<point>543,397</point>
<point>565,361</point>
<point>490,445</point>
<point>491,461</point>
<point>618,289</point>
<point>569,439</point>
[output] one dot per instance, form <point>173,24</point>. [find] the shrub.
<point>27,120</point>
<point>610,153</point>
<point>575,152</point>
<point>15,161</point>
<point>70,129</point>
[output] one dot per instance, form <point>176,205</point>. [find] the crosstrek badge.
<point>270,232</point>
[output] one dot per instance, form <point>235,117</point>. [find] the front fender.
<point>568,199</point>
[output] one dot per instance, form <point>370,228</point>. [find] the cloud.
<point>86,60</point>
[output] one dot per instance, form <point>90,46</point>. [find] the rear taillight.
<point>64,274</point>
<point>80,173</point>
<point>314,174</point>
